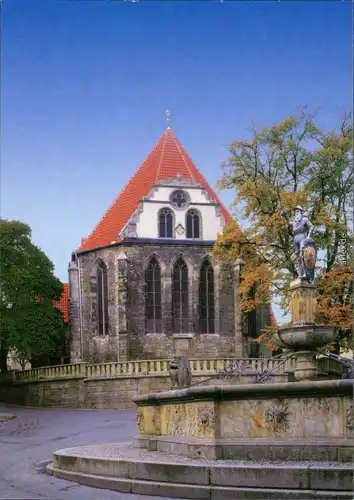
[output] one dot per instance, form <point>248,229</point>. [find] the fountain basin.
<point>285,421</point>
<point>305,337</point>
<point>280,440</point>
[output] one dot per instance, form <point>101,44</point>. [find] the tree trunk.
<point>3,359</point>
<point>337,347</point>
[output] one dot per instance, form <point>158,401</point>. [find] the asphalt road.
<point>28,442</point>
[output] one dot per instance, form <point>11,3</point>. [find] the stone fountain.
<point>291,440</point>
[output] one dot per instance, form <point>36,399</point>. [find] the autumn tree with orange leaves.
<point>279,167</point>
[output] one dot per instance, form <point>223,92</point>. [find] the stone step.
<point>122,467</point>
<point>189,491</point>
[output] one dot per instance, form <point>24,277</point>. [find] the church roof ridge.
<point>167,160</point>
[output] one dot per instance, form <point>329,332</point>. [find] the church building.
<point>143,283</point>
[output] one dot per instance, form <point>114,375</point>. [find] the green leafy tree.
<point>292,163</point>
<point>30,326</point>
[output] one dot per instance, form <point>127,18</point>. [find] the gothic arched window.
<point>193,224</point>
<point>102,299</point>
<point>165,223</point>
<point>180,297</point>
<point>153,297</point>
<point>206,299</point>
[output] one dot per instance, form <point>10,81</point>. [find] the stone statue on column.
<point>305,249</point>
<point>303,335</point>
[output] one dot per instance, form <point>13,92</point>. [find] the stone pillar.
<point>305,365</point>
<point>193,301</point>
<point>240,344</point>
<point>74,313</point>
<point>121,296</point>
<point>166,300</point>
<point>303,302</point>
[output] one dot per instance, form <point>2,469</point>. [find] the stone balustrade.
<point>56,371</point>
<point>157,367</point>
<point>135,368</point>
<point>128,368</point>
<point>325,365</point>
<point>113,385</point>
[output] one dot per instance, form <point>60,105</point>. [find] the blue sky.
<point>85,86</point>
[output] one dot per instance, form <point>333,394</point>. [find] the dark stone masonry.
<point>126,298</point>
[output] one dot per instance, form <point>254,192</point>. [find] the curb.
<point>4,417</point>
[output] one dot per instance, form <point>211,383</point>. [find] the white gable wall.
<point>147,224</point>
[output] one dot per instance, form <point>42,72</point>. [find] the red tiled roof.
<point>63,303</point>
<point>273,321</point>
<point>168,159</point>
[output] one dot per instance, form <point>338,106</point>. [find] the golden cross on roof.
<point>168,117</point>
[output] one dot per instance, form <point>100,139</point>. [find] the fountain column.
<point>304,336</point>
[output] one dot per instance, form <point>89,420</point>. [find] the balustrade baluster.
<point>219,364</point>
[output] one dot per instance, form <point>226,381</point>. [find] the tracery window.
<point>102,299</point>
<point>193,224</point>
<point>179,199</point>
<point>206,299</point>
<point>165,223</point>
<point>180,297</point>
<point>153,297</point>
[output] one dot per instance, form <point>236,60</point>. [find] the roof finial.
<point>168,118</point>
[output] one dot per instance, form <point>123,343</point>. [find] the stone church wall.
<point>134,342</point>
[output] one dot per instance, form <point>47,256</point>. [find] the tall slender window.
<point>153,297</point>
<point>206,299</point>
<point>180,297</point>
<point>102,299</point>
<point>165,223</point>
<point>193,224</point>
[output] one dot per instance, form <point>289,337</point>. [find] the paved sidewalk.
<point>28,441</point>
